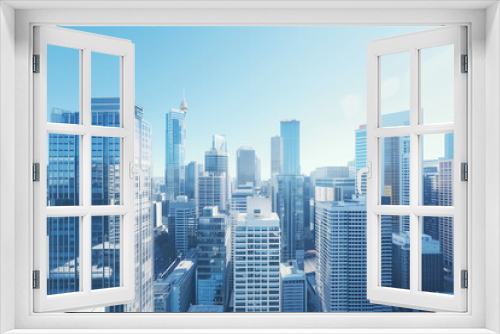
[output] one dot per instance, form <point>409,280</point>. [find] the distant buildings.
<point>217,164</point>
<point>293,288</point>
<point>175,153</point>
<point>193,171</point>
<point>239,197</point>
<point>246,166</point>
<point>256,258</point>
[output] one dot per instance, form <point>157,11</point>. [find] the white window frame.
<point>483,101</point>
<point>86,44</point>
<point>413,44</point>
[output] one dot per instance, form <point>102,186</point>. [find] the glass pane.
<point>63,238</point>
<point>63,170</point>
<point>105,90</point>
<point>437,84</point>
<point>395,252</point>
<point>395,89</point>
<point>105,252</point>
<point>437,254</point>
<point>105,171</point>
<point>395,171</point>
<point>63,85</point>
<point>437,169</point>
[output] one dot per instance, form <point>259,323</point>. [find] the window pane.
<point>63,238</point>
<point>395,171</point>
<point>105,171</point>
<point>63,170</point>
<point>395,89</point>
<point>63,85</point>
<point>395,252</point>
<point>437,84</point>
<point>437,169</point>
<point>105,90</point>
<point>437,254</point>
<point>105,252</point>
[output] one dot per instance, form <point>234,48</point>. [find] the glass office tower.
<point>211,280</point>
<point>175,173</point>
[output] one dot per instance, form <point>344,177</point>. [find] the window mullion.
<point>414,169</point>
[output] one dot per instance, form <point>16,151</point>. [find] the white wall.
<point>492,164</point>
<point>7,159</point>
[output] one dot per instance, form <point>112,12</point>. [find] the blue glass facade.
<point>175,154</point>
<point>290,136</point>
<point>213,245</point>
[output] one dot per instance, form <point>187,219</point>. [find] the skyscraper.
<point>341,257</point>
<point>256,258</point>
<point>193,171</point>
<point>175,289</point>
<point>212,191</point>
<point>211,283</point>
<point>276,155</point>
<point>290,199</point>
<point>217,162</point>
<point>182,224</point>
<point>175,151</point>
<point>290,136</point>
<point>276,167</point>
<point>245,165</point>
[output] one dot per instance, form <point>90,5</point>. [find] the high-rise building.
<point>144,245</point>
<point>258,177</point>
<point>291,214</point>
<point>293,288</point>
<point>341,257</point>
<point>276,167</point>
<point>290,136</point>
<point>182,224</point>
<point>245,165</point>
<point>290,198</point>
<point>63,156</point>
<point>175,153</point>
<point>193,171</point>
<point>211,282</point>
<point>174,291</point>
<point>276,155</point>
<point>212,191</point>
<point>256,258</point>
<point>217,162</point>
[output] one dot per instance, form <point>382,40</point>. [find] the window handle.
<point>368,171</point>
<point>132,171</point>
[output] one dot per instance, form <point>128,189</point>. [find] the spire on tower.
<point>184,106</point>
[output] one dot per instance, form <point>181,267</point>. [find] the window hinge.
<point>465,64</point>
<point>36,172</point>
<point>36,63</point>
<point>36,279</point>
<point>465,279</point>
<point>464,170</point>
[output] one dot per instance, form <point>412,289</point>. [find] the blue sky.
<point>241,81</point>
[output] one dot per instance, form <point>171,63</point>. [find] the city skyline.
<point>248,80</point>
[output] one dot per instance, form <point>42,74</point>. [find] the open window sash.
<point>67,255</point>
<point>413,209</point>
